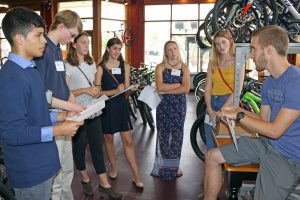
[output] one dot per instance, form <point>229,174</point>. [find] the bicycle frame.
<point>290,7</point>
<point>252,99</point>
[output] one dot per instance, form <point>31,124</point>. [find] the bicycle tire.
<point>198,125</point>
<point>149,116</point>
<point>142,113</point>
<point>198,77</point>
<point>131,111</point>
<point>199,91</point>
<point>201,39</point>
<point>262,12</point>
<point>127,37</point>
<point>208,29</point>
<point>201,107</point>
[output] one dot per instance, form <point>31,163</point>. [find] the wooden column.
<point>136,24</point>
<point>96,37</point>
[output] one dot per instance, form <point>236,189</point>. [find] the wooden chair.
<point>221,136</point>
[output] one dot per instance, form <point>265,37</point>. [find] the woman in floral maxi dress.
<point>172,82</point>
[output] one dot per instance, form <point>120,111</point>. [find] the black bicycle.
<point>144,77</point>
<point>242,17</point>
<point>6,191</point>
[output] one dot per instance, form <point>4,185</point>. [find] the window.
<point>85,11</point>
<point>5,46</point>
<point>174,23</point>
<point>83,8</point>
<point>112,22</point>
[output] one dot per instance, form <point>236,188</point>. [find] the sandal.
<point>139,185</point>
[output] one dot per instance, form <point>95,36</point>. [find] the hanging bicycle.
<point>242,17</point>
<point>125,35</point>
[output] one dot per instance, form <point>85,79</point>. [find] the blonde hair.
<point>69,18</point>
<point>165,58</point>
<point>215,53</point>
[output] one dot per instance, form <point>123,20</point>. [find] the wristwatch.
<point>239,116</point>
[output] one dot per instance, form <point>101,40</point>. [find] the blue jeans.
<point>41,191</point>
<point>217,101</point>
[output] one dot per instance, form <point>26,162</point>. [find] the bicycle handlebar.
<point>252,99</point>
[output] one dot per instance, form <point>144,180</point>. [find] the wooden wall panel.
<point>136,24</point>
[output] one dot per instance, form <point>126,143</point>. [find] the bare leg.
<point>84,176</point>
<point>111,153</point>
<point>213,174</point>
<point>130,155</point>
<point>104,180</point>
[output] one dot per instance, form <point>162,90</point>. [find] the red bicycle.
<point>124,35</point>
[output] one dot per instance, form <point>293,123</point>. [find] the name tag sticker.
<point>59,66</point>
<point>175,72</point>
<point>116,70</point>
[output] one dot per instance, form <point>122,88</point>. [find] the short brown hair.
<point>69,18</point>
<point>275,36</point>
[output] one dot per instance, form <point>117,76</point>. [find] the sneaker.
<point>110,193</point>
<point>87,188</point>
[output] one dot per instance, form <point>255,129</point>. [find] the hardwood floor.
<point>186,187</point>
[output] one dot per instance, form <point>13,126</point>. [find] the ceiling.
<point>27,2</point>
<point>21,2</point>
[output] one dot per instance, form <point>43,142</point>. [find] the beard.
<point>261,63</point>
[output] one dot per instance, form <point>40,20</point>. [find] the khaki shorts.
<point>278,176</point>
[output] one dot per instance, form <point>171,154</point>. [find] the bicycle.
<point>124,35</point>
<point>143,77</point>
<point>242,18</point>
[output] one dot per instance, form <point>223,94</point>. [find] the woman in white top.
<point>80,74</point>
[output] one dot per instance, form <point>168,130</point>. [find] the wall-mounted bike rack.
<point>242,53</point>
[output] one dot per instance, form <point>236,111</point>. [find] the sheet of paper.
<point>95,106</point>
<point>150,97</point>
<point>207,121</point>
<point>127,89</point>
<point>232,132</point>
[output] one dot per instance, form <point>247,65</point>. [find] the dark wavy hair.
<point>111,42</point>
<point>72,57</point>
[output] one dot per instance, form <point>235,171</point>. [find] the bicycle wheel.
<point>149,116</point>
<point>127,38</point>
<point>201,38</point>
<point>199,91</point>
<point>201,107</point>
<point>228,14</point>
<point>287,21</point>
<point>142,113</point>
<point>208,30</point>
<point>197,137</point>
<point>198,77</point>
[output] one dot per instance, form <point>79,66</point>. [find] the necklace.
<point>173,65</point>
